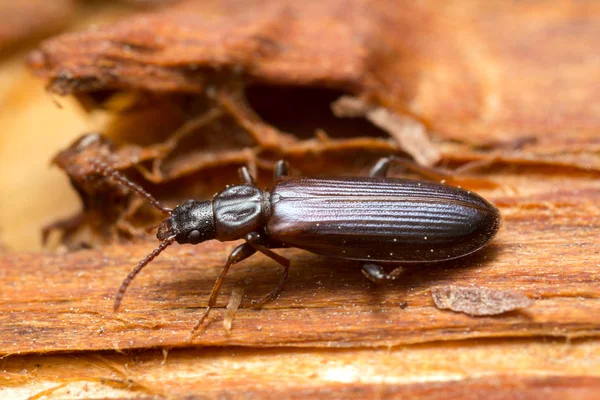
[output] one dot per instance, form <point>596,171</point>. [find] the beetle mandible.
<point>372,219</point>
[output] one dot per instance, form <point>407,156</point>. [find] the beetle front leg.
<point>376,274</point>
<point>240,253</point>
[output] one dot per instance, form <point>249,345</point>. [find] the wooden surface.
<point>477,72</point>
<point>330,333</point>
<point>547,248</point>
<point>500,369</point>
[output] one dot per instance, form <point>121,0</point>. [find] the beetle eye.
<point>194,237</point>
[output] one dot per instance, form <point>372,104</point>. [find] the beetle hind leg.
<point>376,274</point>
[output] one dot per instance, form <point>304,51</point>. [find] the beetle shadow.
<point>428,274</point>
<point>417,278</point>
<point>315,281</point>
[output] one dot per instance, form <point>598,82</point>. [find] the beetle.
<point>374,219</point>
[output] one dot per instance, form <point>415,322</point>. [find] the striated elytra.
<point>379,219</point>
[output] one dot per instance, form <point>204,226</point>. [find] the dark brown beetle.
<point>372,219</point>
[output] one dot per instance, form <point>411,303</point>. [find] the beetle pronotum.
<point>372,219</point>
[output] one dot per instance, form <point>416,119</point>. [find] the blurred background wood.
<point>524,96</point>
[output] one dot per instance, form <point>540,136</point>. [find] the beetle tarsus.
<point>376,274</point>
<point>445,176</point>
<point>199,323</point>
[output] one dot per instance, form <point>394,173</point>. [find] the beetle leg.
<point>240,253</point>
<point>65,226</point>
<point>255,240</point>
<point>281,169</point>
<point>436,174</point>
<point>246,176</point>
<point>273,293</point>
<point>380,170</point>
<point>382,167</point>
<point>376,274</point>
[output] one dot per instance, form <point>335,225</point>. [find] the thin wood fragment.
<point>409,133</point>
<point>234,303</point>
<point>478,300</point>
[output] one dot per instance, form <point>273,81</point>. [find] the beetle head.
<point>191,222</point>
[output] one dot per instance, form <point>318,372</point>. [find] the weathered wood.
<point>497,369</point>
<point>470,70</point>
<point>547,249</point>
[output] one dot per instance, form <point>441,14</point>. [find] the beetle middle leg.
<point>262,245</point>
<point>376,274</point>
<point>273,293</point>
<point>254,242</point>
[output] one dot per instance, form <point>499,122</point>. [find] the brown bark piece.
<point>478,301</point>
<point>471,71</point>
<point>178,46</point>
<point>498,370</point>
<point>409,133</point>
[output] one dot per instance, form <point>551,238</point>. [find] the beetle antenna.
<point>121,292</point>
<point>103,168</point>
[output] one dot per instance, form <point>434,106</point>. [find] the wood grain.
<point>547,249</point>
<point>502,369</point>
